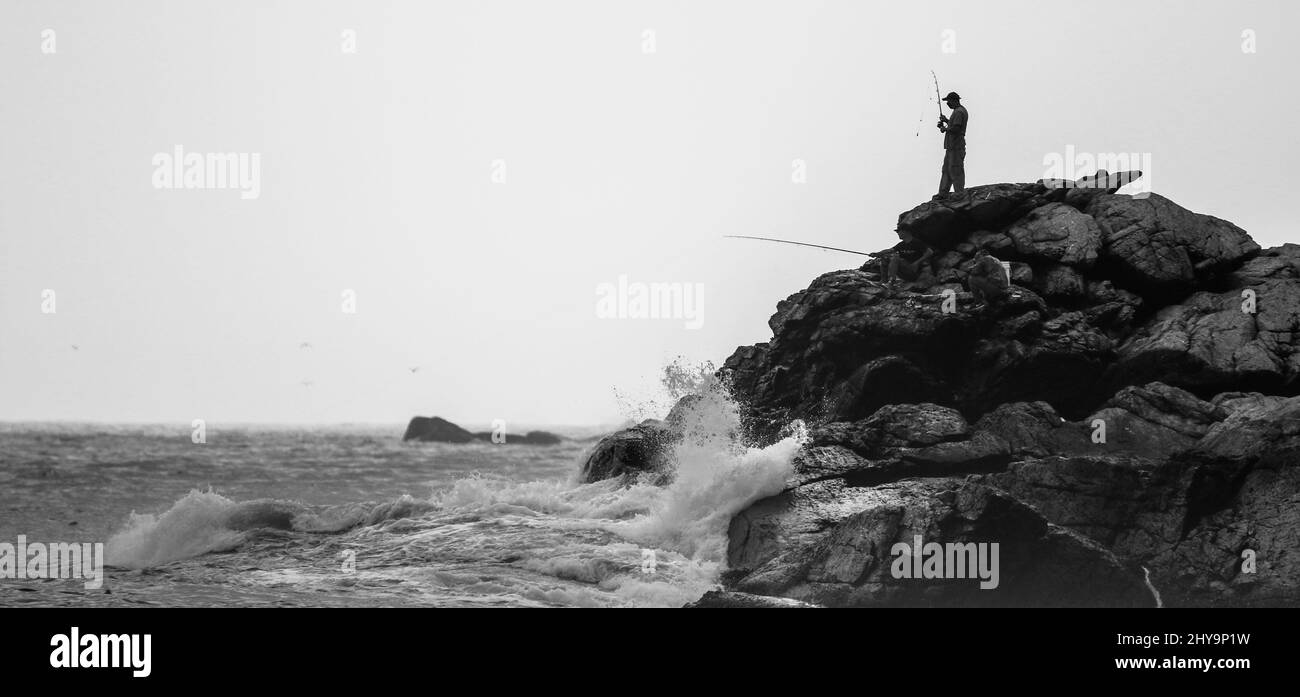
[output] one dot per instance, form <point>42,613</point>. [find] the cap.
<point>952,95</point>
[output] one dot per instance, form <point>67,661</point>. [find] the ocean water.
<point>351,516</point>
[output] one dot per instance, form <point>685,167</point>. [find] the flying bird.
<point>414,369</point>
<point>76,348</point>
<point>304,345</point>
<point>307,383</point>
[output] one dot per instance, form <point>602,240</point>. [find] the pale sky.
<point>376,176</point>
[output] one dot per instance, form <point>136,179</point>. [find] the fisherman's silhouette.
<point>898,268</point>
<point>954,146</point>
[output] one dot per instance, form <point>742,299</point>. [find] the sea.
<point>331,516</point>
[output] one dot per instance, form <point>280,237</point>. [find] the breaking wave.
<point>507,537</point>
<point>194,525</point>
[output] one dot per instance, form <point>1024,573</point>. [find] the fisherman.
<point>954,146</point>
<point>898,268</point>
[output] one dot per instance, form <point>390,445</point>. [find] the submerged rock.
<point>530,438</point>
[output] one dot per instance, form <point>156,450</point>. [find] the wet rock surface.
<point>1128,409</point>
<point>631,452</point>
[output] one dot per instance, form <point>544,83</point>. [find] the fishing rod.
<point>801,244</point>
<point>834,249</point>
<point>818,246</point>
<point>938,101</point>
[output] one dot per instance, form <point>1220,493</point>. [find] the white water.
<point>485,539</point>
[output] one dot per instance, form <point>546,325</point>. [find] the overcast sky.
<point>626,139</point>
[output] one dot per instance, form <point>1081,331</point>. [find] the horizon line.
<point>231,422</point>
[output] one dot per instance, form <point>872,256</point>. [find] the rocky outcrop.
<point>642,449</point>
<point>1127,411</point>
<point>1208,343</point>
<point>436,429</point>
<point>646,448</point>
<point>1162,249</point>
<point>733,599</point>
<point>529,438</point>
<point>1054,233</point>
<point>439,430</point>
<point>902,440</point>
<point>833,545</point>
<point>1091,310</point>
<point>1194,515</point>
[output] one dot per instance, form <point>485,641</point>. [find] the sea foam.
<point>527,542</point>
<point>194,525</point>
<point>717,476</point>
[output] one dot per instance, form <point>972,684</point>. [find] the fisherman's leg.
<point>945,179</point>
<point>957,169</point>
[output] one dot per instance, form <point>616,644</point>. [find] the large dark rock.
<point>1129,408</point>
<point>846,346</point>
<point>1091,310</point>
<point>436,429</point>
<point>945,221</point>
<point>901,440</point>
<point>1058,233</point>
<point>1209,343</point>
<point>894,426</point>
<point>1191,517</point>
<point>641,449</point>
<point>1271,264</point>
<point>1154,421</point>
<point>1160,248</point>
<point>439,430</point>
<point>832,545</point>
<point>1127,503</point>
<point>1034,429</point>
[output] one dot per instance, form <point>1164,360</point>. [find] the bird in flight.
<point>76,347</point>
<point>304,345</point>
<point>307,383</point>
<point>414,369</point>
